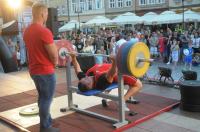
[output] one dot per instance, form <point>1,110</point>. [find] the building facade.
<point>84,10</point>
<point>177,5</point>
<point>144,6</point>
<point>114,8</point>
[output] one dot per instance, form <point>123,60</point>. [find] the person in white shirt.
<point>18,59</point>
<point>196,43</point>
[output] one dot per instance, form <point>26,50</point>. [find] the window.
<point>74,6</point>
<point>119,3</point>
<point>177,1</point>
<point>151,2</point>
<point>112,4</point>
<point>161,1</point>
<point>143,2</point>
<point>63,9</point>
<point>89,4</point>
<point>98,4</point>
<point>58,10</point>
<point>128,3</point>
<point>82,6</point>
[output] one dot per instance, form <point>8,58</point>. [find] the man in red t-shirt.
<point>101,76</point>
<point>42,58</point>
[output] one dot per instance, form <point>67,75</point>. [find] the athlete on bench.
<point>100,76</point>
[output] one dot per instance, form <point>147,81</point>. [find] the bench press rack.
<point>120,98</point>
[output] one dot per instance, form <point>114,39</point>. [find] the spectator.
<point>175,52</point>
<point>88,48</point>
<point>188,56</point>
<point>98,42</point>
<point>169,43</point>
<point>184,44</point>
<point>99,59</point>
<point>161,45</point>
<point>153,45</point>
<point>196,43</point>
<point>79,45</point>
<point>18,59</point>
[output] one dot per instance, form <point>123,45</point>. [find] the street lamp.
<point>68,13</point>
<point>183,6</point>
<point>78,12</point>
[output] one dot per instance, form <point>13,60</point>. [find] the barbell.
<point>133,58</point>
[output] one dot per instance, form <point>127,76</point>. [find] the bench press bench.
<point>96,91</point>
<point>133,58</point>
<point>99,93</point>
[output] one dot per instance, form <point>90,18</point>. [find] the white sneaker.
<point>125,107</point>
<point>168,63</point>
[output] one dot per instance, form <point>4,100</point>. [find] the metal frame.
<point>120,98</point>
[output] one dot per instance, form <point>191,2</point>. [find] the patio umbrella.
<point>69,26</point>
<point>146,18</point>
<point>191,16</point>
<point>98,20</point>
<point>127,18</point>
<point>167,17</point>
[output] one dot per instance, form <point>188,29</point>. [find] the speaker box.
<point>190,95</point>
<point>189,75</point>
<point>52,21</point>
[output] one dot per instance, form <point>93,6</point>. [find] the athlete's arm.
<point>113,70</point>
<point>77,67</point>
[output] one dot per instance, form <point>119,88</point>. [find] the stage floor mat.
<point>149,106</point>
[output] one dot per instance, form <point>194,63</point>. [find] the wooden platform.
<point>149,107</point>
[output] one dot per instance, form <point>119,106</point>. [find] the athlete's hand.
<point>112,57</point>
<point>72,54</point>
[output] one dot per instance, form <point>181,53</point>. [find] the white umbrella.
<point>167,17</point>
<point>69,26</point>
<point>191,16</point>
<point>148,17</point>
<point>127,18</point>
<point>98,20</point>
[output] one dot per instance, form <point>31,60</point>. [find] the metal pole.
<point>78,20</point>
<point>68,13</point>
<point>183,15</point>
<point>121,98</point>
<point>135,6</point>
<point>69,84</point>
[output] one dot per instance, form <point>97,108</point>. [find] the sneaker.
<point>104,103</point>
<point>50,129</point>
<point>168,63</point>
<point>125,106</point>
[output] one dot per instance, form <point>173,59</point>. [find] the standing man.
<point>42,58</point>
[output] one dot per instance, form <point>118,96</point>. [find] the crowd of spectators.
<point>165,45</point>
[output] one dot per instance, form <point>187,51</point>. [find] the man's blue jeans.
<point>45,85</point>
